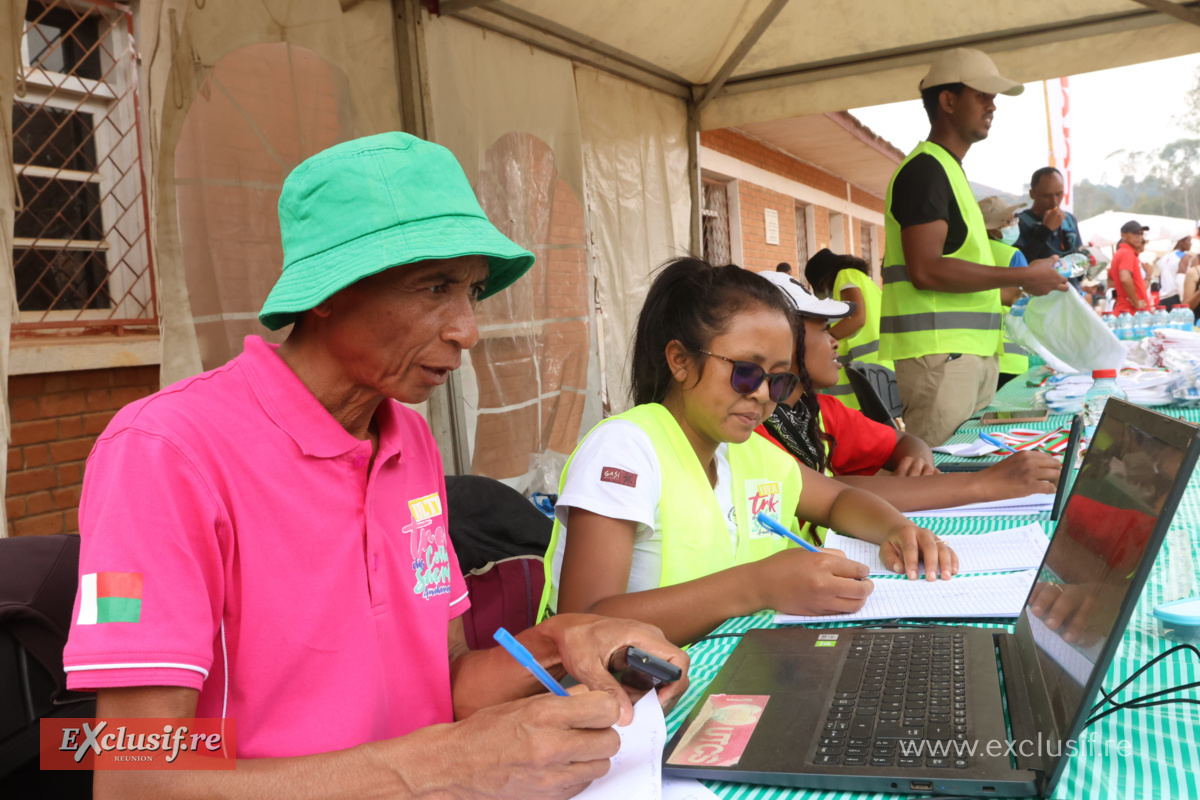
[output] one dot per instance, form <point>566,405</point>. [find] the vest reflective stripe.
<point>1014,359</point>
<point>695,537</point>
<point>857,353</point>
<point>941,321</point>
<point>917,322</point>
<point>864,344</point>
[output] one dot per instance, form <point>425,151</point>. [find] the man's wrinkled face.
<point>400,332</point>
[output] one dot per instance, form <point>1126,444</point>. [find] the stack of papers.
<point>1001,596</point>
<point>999,551</point>
<point>1011,556</point>
<point>1015,506</point>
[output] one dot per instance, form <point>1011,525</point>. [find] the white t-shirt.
<point>615,473</point>
<point>1168,274</point>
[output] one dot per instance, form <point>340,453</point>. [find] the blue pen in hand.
<point>987,437</point>
<point>775,527</point>
<point>526,660</point>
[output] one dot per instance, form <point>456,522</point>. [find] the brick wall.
<point>56,418</point>
<point>743,148</point>
<point>821,224</point>
<point>756,253</point>
<point>865,199</point>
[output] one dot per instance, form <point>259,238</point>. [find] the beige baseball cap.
<point>996,212</point>
<point>972,67</point>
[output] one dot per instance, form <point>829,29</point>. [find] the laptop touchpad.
<point>775,673</point>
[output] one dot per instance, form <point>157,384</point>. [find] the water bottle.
<point>1074,265</point>
<point>1183,317</point>
<point>1143,322</point>
<point>1125,326</point>
<point>1104,386</point>
<point>1162,318</point>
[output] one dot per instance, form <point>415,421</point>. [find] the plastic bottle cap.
<point>1104,373</point>
<point>1182,305</point>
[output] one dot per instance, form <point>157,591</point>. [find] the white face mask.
<point>1009,234</point>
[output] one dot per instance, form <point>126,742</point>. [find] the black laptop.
<point>922,709</point>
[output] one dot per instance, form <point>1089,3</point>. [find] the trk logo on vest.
<point>427,545</point>
<point>767,497</point>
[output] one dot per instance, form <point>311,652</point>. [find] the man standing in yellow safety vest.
<point>941,313</point>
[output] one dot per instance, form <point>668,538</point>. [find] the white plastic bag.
<point>1019,332</point>
<point>1064,324</point>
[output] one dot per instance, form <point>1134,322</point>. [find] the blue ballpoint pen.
<point>987,437</point>
<point>775,527</point>
<point>526,660</point>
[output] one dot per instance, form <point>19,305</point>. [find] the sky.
<point>1128,108</point>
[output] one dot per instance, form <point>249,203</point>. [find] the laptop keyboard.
<point>894,689</point>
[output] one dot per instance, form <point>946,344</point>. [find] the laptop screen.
<point>1110,518</point>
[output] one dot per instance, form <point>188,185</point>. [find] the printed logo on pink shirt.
<point>427,545</point>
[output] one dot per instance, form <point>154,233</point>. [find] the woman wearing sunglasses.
<point>656,512</point>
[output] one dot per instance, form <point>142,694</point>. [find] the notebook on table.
<point>921,709</point>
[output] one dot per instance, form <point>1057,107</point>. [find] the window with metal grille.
<point>80,250</point>
<point>716,223</point>
<point>801,236</point>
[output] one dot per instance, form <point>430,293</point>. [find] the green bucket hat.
<point>382,201</point>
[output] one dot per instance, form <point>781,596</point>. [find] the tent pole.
<point>447,411</point>
<point>1176,10</point>
<point>696,237</point>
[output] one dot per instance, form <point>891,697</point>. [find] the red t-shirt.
<point>863,445</point>
<point>1126,260</point>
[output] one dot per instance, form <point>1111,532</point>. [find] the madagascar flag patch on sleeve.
<point>110,597</point>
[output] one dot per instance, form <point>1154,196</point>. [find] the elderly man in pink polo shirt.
<point>267,541</point>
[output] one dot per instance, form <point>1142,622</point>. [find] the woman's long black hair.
<point>814,433</point>
<point>692,302</point>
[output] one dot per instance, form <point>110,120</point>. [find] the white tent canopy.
<point>747,61</point>
<point>1105,229</point>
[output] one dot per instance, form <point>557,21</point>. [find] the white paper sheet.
<point>998,551</point>
<point>635,772</point>
<point>968,449</point>
<point>1016,506</point>
<point>962,598</point>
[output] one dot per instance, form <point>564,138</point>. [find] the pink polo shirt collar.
<point>296,410</point>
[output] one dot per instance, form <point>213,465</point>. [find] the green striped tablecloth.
<point>1162,754</point>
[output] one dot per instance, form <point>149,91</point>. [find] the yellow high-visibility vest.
<point>863,345</point>
<point>918,322</point>
<point>695,537</point>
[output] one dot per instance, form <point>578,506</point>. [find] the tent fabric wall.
<point>531,384</point>
<point>262,109</point>
<point>181,44</point>
<point>635,165</point>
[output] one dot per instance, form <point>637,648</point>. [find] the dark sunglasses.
<point>746,377</point>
